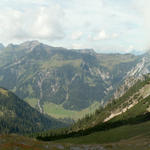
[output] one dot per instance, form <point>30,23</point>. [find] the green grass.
<point>30,90</point>
<point>59,63</point>
<point>1,113</point>
<point>112,135</point>
<point>57,111</point>
<point>138,109</point>
<point>32,101</point>
<point>13,142</point>
<point>4,92</point>
<point>110,61</point>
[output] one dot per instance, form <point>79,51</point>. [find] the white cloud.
<point>40,23</point>
<point>144,9</point>
<point>77,46</point>
<point>102,35</point>
<point>48,23</point>
<point>129,49</point>
<point>99,24</point>
<point>77,35</point>
<point>115,35</point>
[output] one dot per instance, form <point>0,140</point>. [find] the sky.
<point>107,26</point>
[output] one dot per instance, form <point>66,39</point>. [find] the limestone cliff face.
<point>128,82</point>
<point>136,73</point>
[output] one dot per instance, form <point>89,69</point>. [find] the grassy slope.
<point>136,137</point>
<point>133,135</point>
<point>135,122</point>
<point>113,135</point>
<point>134,93</point>
<point>111,60</point>
<point>13,142</point>
<point>57,111</point>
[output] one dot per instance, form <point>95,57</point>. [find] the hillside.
<point>54,80</point>
<point>122,119</point>
<point>137,95</point>
<point>13,142</point>
<point>16,116</point>
<point>128,130</point>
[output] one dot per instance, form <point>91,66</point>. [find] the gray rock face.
<point>136,73</point>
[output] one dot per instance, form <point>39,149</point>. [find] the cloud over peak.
<point>99,24</point>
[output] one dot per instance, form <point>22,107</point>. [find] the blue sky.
<point>104,25</point>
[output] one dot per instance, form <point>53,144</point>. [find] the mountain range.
<point>67,83</point>
<point>108,95</point>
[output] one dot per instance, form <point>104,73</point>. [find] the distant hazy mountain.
<point>1,46</point>
<point>60,82</point>
<point>16,116</point>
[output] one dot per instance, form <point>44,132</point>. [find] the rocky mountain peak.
<point>11,46</point>
<point>90,51</point>
<point>30,44</point>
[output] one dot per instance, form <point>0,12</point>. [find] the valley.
<point>49,77</point>
<point>75,75</point>
<point>76,99</point>
<point>120,131</point>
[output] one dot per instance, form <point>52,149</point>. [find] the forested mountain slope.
<point>16,116</point>
<point>55,78</point>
